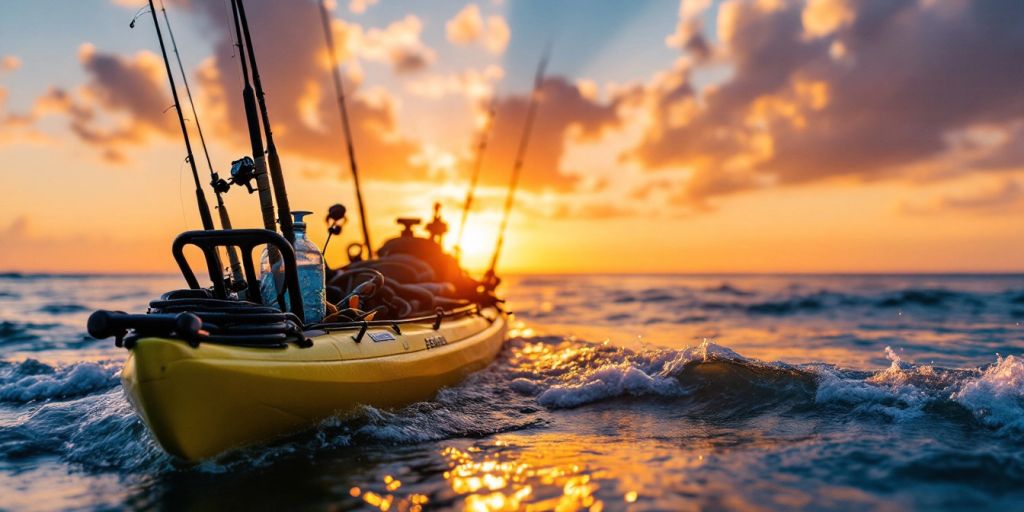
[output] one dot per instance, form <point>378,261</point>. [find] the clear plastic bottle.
<point>310,265</point>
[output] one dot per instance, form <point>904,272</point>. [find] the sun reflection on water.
<point>411,503</point>
<point>499,481</point>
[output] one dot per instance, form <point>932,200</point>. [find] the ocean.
<point>616,392</point>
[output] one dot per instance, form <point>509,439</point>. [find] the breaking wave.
<point>32,380</point>
<point>537,377</point>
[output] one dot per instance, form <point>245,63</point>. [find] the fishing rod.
<point>204,207</point>
<point>222,210</point>
<point>340,91</point>
<point>284,215</point>
<point>212,259</point>
<point>517,167</point>
<point>480,149</point>
<point>257,167</point>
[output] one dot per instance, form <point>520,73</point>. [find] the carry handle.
<point>246,240</point>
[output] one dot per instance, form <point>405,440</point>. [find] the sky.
<point>694,136</point>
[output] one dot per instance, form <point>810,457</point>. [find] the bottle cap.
<point>298,216</point>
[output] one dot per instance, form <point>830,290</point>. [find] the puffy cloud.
<point>498,34</point>
<point>360,6</point>
<point>124,102</point>
<point>828,88</point>
<point>9,63</point>
<point>823,17</point>
<point>399,44</point>
<point>564,114</point>
<point>134,85</point>
<point>688,34</point>
<point>471,83</point>
<point>468,27</point>
<point>295,71</point>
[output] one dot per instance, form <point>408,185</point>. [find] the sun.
<point>477,246</point>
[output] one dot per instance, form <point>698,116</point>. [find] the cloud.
<point>16,126</point>
<point>993,198</point>
<point>9,63</point>
<point>498,34</point>
<point>688,35</point>
<point>124,102</point>
<point>468,27</point>
<point>593,211</point>
<point>474,84</point>
<point>827,88</point>
<point>399,44</point>
<point>294,67</point>
<point>360,6</point>
<point>564,114</point>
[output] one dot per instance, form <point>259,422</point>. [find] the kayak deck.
<point>199,402</point>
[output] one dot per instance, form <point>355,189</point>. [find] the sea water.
<point>638,392</point>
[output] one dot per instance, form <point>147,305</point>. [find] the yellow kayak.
<point>199,402</point>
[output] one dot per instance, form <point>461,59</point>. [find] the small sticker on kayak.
<point>381,336</point>
<point>435,341</point>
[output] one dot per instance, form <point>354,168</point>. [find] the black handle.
<point>246,240</point>
<point>104,324</point>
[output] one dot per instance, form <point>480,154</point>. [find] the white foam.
<point>652,372</point>
<point>996,398</point>
<point>606,382</point>
<point>74,380</point>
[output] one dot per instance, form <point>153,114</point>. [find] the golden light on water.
<point>411,503</point>
<point>519,329</point>
<point>496,481</point>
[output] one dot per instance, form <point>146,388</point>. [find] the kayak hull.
<point>199,402</point>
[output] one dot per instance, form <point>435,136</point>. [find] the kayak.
<point>200,401</point>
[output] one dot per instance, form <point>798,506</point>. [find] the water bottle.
<point>310,266</point>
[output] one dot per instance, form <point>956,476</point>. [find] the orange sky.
<point>711,136</point>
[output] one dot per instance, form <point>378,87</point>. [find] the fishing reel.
<point>243,171</point>
<point>220,185</point>
<point>335,220</point>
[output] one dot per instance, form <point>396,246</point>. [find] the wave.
<point>716,379</point>
<point>728,300</point>
<point>927,297</point>
<point>60,309</point>
<point>537,377</point>
<point>31,380</point>
<point>79,413</point>
<point>16,331</point>
<point>997,396</point>
<point>97,432</point>
<point>786,307</point>
<point>728,289</point>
